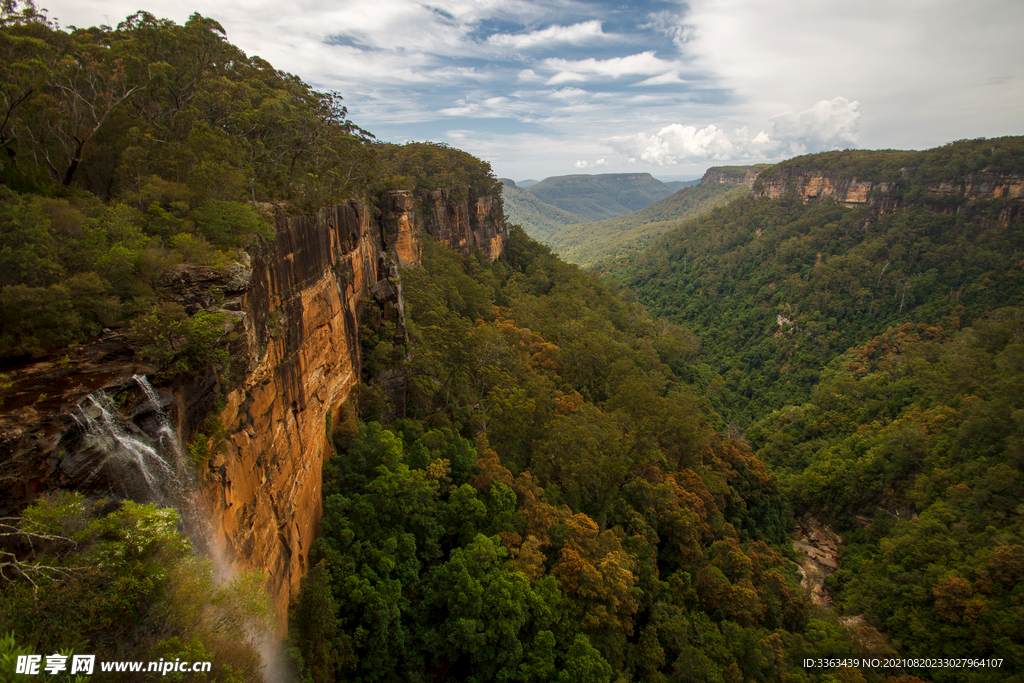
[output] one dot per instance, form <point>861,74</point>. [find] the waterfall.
<point>137,465</point>
<point>167,433</point>
<point>133,466</point>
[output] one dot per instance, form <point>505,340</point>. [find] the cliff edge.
<point>291,314</point>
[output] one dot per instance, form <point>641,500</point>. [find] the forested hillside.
<point>525,491</point>
<point>597,197</point>
<point>776,288</point>
<point>860,327</point>
<point>130,150</point>
<point>540,220</point>
<point>912,444</point>
<point>588,244</point>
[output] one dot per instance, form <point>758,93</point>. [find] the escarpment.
<point>943,179</point>
<point>848,191</point>
<point>851,191</point>
<point>300,352</point>
<point>475,222</point>
<point>256,429</point>
<point>732,175</point>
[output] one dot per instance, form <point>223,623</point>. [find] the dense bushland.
<point>552,503</point>
<point>776,289</point>
<point>131,150</point>
<point>117,580</point>
<point>913,445</point>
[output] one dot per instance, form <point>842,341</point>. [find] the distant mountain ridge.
<point>540,220</point>
<point>676,185</point>
<point>598,197</point>
<point>588,244</point>
<point>832,249</point>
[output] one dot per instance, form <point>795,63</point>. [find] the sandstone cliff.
<point>292,314</point>
<point>732,175</point>
<point>475,223</point>
<point>847,191</point>
<point>824,184</point>
<point>886,189</point>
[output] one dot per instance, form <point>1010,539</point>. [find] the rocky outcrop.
<point>732,175</point>
<point>847,191</point>
<point>36,415</point>
<point>884,196</point>
<point>984,186</point>
<point>475,222</point>
<point>819,546</point>
<point>291,314</point>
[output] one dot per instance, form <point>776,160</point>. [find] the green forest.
<point>590,245</point>
<point>544,474</point>
<point>552,504</point>
<point>779,288</point>
<point>914,442</point>
<point>127,151</point>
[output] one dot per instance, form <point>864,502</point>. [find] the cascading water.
<point>136,465</point>
<point>129,462</point>
<point>268,643</point>
<point>168,435</point>
<point>150,466</point>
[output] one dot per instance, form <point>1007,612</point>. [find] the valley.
<point>314,407</point>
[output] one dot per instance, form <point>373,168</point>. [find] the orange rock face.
<point>476,222</point>
<point>296,358</point>
<point>262,489</point>
<point>849,192</point>
<point>852,192</point>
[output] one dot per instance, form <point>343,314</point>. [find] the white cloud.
<point>569,93</point>
<point>642,64</point>
<point>492,107</point>
<point>829,124</point>
<point>577,34</point>
<point>928,71</point>
<point>671,24</point>
<point>582,164</point>
<point>673,144</point>
<point>669,78</point>
<point>919,66</point>
<point>600,162</point>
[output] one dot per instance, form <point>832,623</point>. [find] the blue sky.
<point>550,88</point>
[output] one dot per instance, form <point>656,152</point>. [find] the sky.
<point>670,88</point>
